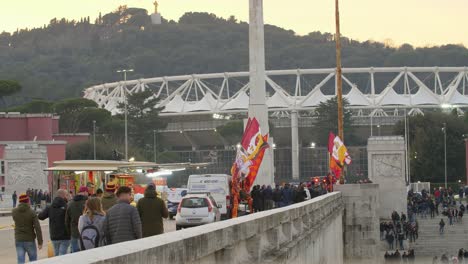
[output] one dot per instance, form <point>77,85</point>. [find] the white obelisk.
<point>257,102</point>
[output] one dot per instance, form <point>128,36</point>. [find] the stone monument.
<point>156,17</point>
<point>386,167</point>
<point>25,165</point>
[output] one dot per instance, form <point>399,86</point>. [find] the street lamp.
<point>154,145</point>
<point>312,145</point>
<point>125,111</point>
<point>378,126</point>
<point>445,153</point>
<point>94,138</point>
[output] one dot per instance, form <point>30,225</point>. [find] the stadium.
<point>196,106</point>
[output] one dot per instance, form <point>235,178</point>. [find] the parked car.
<point>197,209</point>
<point>174,196</point>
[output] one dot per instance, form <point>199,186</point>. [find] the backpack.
<point>89,236</point>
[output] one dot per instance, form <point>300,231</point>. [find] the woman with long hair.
<point>91,225</point>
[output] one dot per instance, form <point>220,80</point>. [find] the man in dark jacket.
<point>59,235</point>
<point>278,197</point>
<point>74,211</point>
<point>152,210</point>
<point>108,199</point>
<point>287,195</point>
<point>122,220</point>
<point>27,228</point>
<point>268,198</point>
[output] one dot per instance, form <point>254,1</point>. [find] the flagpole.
<point>339,89</point>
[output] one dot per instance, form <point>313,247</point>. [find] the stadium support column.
<point>295,145</point>
<point>257,102</point>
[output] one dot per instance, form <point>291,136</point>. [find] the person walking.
<point>122,221</point>
<point>441,226</point>
<point>91,225</point>
<point>59,234</point>
<point>108,199</point>
<point>152,210</point>
<point>14,197</point>
<point>27,230</point>
<point>74,211</point>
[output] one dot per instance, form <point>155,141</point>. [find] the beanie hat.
<point>23,198</point>
<point>83,189</point>
<point>110,187</point>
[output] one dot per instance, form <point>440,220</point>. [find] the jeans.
<point>14,203</point>
<point>441,230</point>
<point>26,247</point>
<point>60,247</point>
<point>75,244</point>
<point>401,244</point>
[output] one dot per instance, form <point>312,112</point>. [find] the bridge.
<point>317,231</point>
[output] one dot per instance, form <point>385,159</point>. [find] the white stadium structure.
<point>194,106</point>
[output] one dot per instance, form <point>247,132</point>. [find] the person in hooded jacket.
<point>74,211</point>
<point>59,235</point>
<point>109,199</point>
<point>152,210</point>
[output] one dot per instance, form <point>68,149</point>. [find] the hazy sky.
<point>418,22</point>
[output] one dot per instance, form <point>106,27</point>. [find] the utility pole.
<point>445,152</point>
<point>94,138</point>
<point>154,145</point>
<point>126,110</point>
<point>339,89</point>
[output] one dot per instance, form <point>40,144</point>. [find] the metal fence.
<point>313,162</point>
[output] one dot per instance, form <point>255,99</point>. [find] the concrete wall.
<point>360,222</point>
<point>309,232</point>
<point>386,161</point>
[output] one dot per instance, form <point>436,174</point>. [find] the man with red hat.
<point>27,229</point>
<point>109,199</point>
<point>74,211</point>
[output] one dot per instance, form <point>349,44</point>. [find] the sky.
<point>417,22</point>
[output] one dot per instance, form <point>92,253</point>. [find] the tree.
<point>8,87</point>
<point>143,118</point>
<point>426,141</point>
<point>327,121</point>
<point>70,111</point>
<point>36,106</point>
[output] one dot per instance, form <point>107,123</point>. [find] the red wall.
<point>2,151</point>
<point>40,127</point>
<point>71,139</point>
<point>55,152</point>
<point>55,125</point>
<point>13,129</point>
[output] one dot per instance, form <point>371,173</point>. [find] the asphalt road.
<point>7,238</point>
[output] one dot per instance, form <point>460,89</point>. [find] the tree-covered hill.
<point>63,57</point>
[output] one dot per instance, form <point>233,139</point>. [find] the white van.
<point>218,185</point>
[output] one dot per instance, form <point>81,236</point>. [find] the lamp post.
<point>445,152</point>
<point>154,145</point>
<point>94,138</point>
<point>125,111</point>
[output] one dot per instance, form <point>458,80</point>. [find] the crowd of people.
<point>397,257</point>
<point>462,257</point>
<point>84,222</point>
<point>399,229</point>
<point>266,198</point>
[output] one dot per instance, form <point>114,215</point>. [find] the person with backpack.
<point>152,210</point>
<point>122,221</point>
<point>91,225</point>
<point>74,211</point>
<point>59,235</point>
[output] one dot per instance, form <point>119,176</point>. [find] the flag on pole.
<point>248,160</point>
<point>338,155</point>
